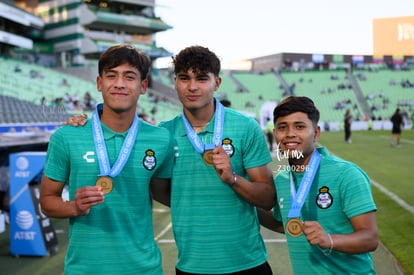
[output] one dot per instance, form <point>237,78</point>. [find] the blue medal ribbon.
<point>298,198</point>
<point>195,140</point>
<point>102,153</point>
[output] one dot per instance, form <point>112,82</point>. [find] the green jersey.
<point>216,231</point>
<point>340,191</point>
<point>116,237</point>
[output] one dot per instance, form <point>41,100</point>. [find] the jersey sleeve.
<point>57,165</point>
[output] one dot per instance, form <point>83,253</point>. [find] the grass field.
<point>390,171</point>
<point>388,167</point>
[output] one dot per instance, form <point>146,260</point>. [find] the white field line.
<point>165,241</point>
<point>403,140</point>
<point>169,226</point>
<point>390,194</point>
<point>394,197</point>
<point>384,190</point>
<point>160,210</point>
<point>162,233</point>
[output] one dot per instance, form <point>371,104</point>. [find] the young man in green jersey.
<point>324,204</point>
<point>109,166</point>
<point>221,174</point>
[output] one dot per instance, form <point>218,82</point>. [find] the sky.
<point>239,29</point>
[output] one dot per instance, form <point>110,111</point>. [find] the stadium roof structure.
<point>78,30</point>
<point>19,22</point>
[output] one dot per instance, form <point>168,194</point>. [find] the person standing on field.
<point>110,166</point>
<point>347,126</point>
<point>221,176</point>
<point>325,205</point>
<point>397,124</point>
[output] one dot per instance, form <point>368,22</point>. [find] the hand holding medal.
<point>105,183</point>
<point>86,197</point>
<point>294,227</point>
<point>206,150</point>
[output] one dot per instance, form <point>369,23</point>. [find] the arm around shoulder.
<point>267,220</point>
<point>259,190</point>
<point>161,190</point>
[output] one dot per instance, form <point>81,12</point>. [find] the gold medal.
<point>105,183</point>
<point>294,227</point>
<point>208,157</point>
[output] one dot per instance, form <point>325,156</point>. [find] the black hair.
<point>293,104</point>
<point>122,54</point>
<point>197,58</point>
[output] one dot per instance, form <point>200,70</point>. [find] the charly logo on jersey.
<point>89,156</point>
<point>324,199</point>
<point>149,161</point>
<point>281,201</point>
<point>228,146</point>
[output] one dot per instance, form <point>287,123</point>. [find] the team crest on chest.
<point>324,199</point>
<point>228,146</point>
<point>149,161</point>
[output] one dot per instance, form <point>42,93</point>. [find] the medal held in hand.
<point>105,183</point>
<point>294,227</point>
<point>206,150</point>
<point>208,157</point>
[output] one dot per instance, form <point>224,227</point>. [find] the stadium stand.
<point>13,110</point>
<point>22,96</point>
<point>33,82</point>
<point>331,91</point>
<point>253,90</point>
<point>385,90</point>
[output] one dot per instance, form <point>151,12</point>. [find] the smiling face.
<point>121,87</point>
<point>196,89</point>
<point>296,133</point>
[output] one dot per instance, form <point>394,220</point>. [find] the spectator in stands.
<point>43,101</point>
<point>109,208</point>
<point>292,88</point>
<point>325,204</point>
<point>347,126</point>
<point>145,117</point>
<point>17,69</point>
<point>77,106</point>
<point>64,83</point>
<point>36,74</point>
<point>66,98</point>
<point>88,102</point>
<point>226,103</point>
<point>249,104</point>
<point>397,124</point>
